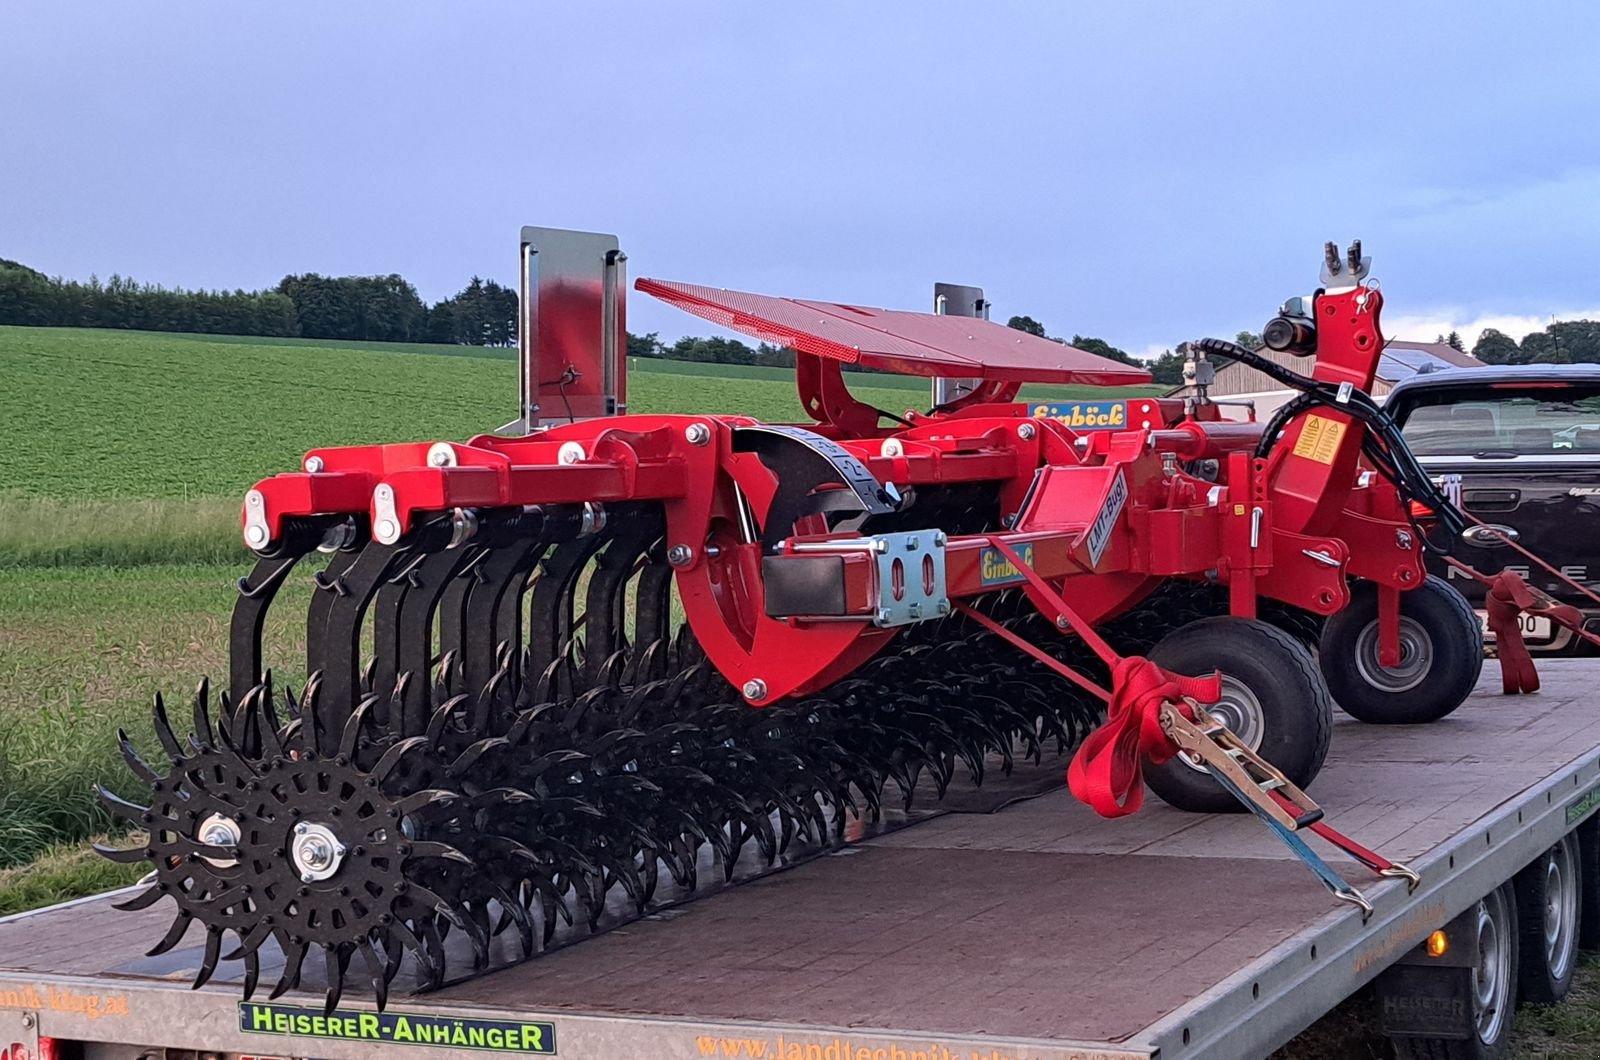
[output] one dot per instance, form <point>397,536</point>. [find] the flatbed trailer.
<point>1036,930</point>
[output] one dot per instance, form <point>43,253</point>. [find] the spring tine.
<point>491,613</point>
<point>653,613</point>
<point>333,647</point>
<point>551,619</point>
<point>256,593</point>
<point>208,962</point>
<point>606,603</point>
<point>403,631</point>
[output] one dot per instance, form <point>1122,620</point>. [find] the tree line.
<point>372,308</point>
<point>1561,342</point>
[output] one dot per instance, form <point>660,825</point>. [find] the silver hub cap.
<point>1491,979</point>
<point>219,831</point>
<point>315,851</point>
<point>1416,657</point>
<point>1560,909</point>
<point>1241,712</point>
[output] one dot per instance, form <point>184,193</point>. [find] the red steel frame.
<point>1293,527</point>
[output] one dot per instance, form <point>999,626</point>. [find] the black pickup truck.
<point>1522,445</point>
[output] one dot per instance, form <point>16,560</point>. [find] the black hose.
<point>1384,446</point>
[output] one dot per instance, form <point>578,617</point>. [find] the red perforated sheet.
<point>894,340</point>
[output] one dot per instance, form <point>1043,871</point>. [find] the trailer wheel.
<point>1549,904</point>
<point>1441,655</point>
<point>1491,986</point>
<point>1272,699</point>
<point>1589,877</point>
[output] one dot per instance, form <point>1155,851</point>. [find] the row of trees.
<point>484,313</point>
<point>1561,342</point>
<point>375,308</point>
<point>30,297</point>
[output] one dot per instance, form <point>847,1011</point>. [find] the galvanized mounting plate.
<point>911,585</point>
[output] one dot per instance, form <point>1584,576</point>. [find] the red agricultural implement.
<point>545,668</point>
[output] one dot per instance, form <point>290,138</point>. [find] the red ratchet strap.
<point>1508,596</point>
<point>1370,858</point>
<point>1107,773</point>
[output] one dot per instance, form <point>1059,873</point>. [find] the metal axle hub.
<point>315,851</point>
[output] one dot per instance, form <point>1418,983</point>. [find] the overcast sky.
<point>1142,172</point>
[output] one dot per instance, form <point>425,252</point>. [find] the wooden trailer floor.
<point>1040,922</point>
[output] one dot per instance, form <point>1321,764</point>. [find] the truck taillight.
<point>1420,510</point>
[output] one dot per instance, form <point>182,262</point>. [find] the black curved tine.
<point>208,962</point>
<point>294,958</point>
<point>606,602</point>
<point>375,973</point>
<point>256,593</point>
<point>492,612</point>
<point>203,730</point>
<point>412,635</point>
<point>653,613</point>
<point>178,929</point>
<point>136,762</point>
<point>164,733</point>
<point>335,649</point>
<point>337,961</point>
<point>252,972</point>
<point>550,618</point>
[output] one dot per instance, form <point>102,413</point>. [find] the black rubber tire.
<point>1589,867</point>
<point>1279,672</point>
<point>1544,978</point>
<point>1475,1048</point>
<point>1454,639</point>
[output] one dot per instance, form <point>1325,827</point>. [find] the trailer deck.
<point>1035,931</point>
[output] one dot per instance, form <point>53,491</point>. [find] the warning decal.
<point>1319,439</point>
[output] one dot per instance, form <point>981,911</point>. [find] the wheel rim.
<point>1240,710</point>
<point>1491,978</point>
<point>1560,909</point>
<point>1416,657</point>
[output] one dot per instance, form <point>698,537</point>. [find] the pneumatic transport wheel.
<point>1441,655</point>
<point>1491,988</point>
<point>1549,904</point>
<point>1272,699</point>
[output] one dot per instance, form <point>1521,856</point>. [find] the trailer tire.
<point>1589,869</point>
<point>1442,656</point>
<point>1493,1038</point>
<point>1273,698</point>
<point>1549,903</point>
